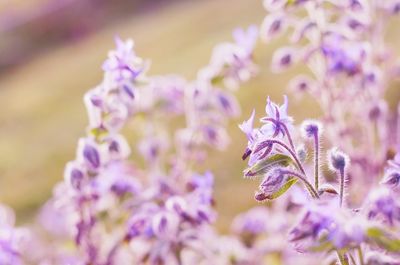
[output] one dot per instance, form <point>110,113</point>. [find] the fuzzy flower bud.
<point>311,128</point>
<point>337,160</point>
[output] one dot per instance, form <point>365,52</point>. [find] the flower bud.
<point>89,153</point>
<point>282,59</point>
<point>165,224</point>
<point>260,196</point>
<point>176,204</point>
<point>311,128</point>
<point>391,179</point>
<point>118,147</point>
<point>73,175</point>
<point>272,26</point>
<point>301,153</point>
<point>301,84</point>
<point>337,160</point>
<point>228,104</point>
<point>273,182</point>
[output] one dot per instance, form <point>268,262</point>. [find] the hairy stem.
<point>341,192</point>
<point>310,188</point>
<point>303,177</point>
<point>289,137</point>
<point>316,161</point>
<point>292,153</point>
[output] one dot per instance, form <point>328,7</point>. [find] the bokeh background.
<point>51,53</point>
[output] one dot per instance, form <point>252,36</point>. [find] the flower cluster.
<point>147,200</point>
<point>350,63</point>
<point>12,240</point>
<point>118,211</point>
<point>327,224</point>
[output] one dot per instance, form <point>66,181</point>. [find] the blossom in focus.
<point>277,119</point>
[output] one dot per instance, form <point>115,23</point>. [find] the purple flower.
<point>177,204</point>
<point>11,238</point>
<point>252,222</point>
<point>246,38</point>
<point>311,226</point>
<point>326,223</point>
<point>383,204</point>
<point>247,127</point>
<point>231,63</point>
<point>277,120</point>
<point>123,64</point>
<point>343,57</point>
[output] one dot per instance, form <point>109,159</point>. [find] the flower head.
<point>277,120</point>
<point>311,128</point>
<point>337,160</point>
<point>123,64</point>
<point>247,127</point>
<point>246,38</point>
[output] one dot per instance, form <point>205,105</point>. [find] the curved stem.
<point>289,137</point>
<point>292,153</point>
<point>310,188</point>
<point>316,161</point>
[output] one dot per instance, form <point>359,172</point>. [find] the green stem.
<point>360,255</point>
<point>342,258</point>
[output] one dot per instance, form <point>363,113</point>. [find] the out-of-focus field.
<point>42,114</point>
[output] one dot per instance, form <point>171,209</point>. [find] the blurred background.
<point>51,53</point>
